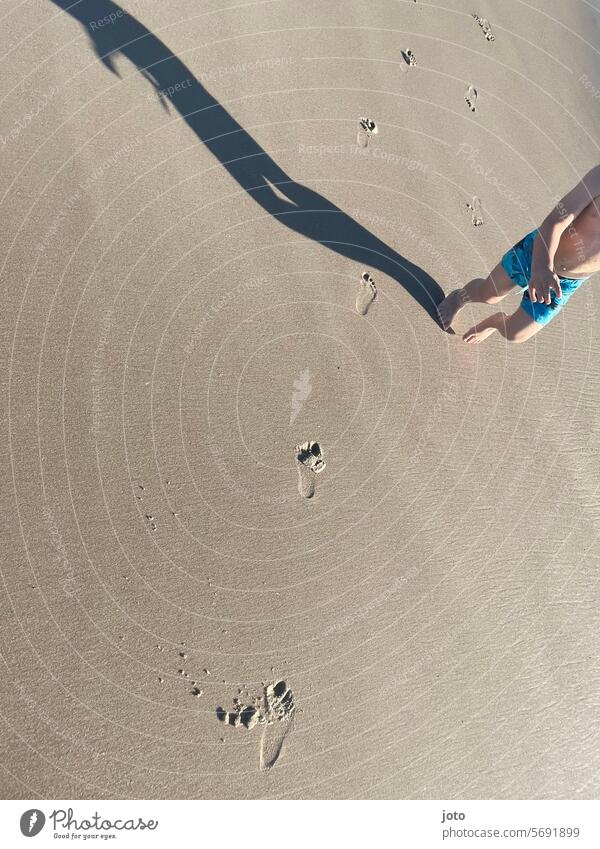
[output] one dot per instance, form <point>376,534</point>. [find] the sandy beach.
<point>186,611</point>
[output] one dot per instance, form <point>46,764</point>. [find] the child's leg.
<point>496,286</point>
<point>517,327</point>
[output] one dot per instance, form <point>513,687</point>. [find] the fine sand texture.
<point>267,531</point>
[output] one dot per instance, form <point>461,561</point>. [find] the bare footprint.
<point>471,97</point>
<point>485,27</point>
<point>476,210</point>
<point>275,710</point>
<point>306,481</point>
<point>366,128</point>
<point>409,58</point>
<point>279,709</point>
<point>309,462</point>
<point>271,744</point>
<point>367,293</point>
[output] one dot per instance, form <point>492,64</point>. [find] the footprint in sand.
<point>409,58</point>
<point>366,294</point>
<point>471,97</point>
<point>246,716</point>
<point>309,462</point>
<point>306,481</point>
<point>476,211</point>
<point>279,709</point>
<point>366,128</point>
<point>275,710</point>
<point>485,27</point>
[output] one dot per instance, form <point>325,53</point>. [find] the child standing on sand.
<point>548,265</point>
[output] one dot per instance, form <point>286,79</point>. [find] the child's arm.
<point>545,246</point>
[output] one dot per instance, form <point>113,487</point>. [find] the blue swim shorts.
<point>517,264</point>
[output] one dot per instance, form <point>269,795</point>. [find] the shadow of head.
<point>115,32</point>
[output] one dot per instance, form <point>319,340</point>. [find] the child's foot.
<point>475,335</point>
<point>450,306</point>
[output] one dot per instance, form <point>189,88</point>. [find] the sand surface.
<point>181,272</point>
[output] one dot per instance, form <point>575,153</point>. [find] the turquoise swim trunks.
<point>517,264</point>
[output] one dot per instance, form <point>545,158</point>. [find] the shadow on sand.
<point>297,207</point>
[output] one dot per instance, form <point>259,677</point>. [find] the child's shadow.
<point>301,209</point>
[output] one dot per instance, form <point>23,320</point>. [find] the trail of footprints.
<point>309,461</point>
<point>471,94</point>
<point>367,128</point>
<point>274,710</point>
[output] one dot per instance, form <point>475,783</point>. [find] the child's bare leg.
<point>517,327</point>
<point>490,290</point>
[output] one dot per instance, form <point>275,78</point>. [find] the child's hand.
<point>541,283</point>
